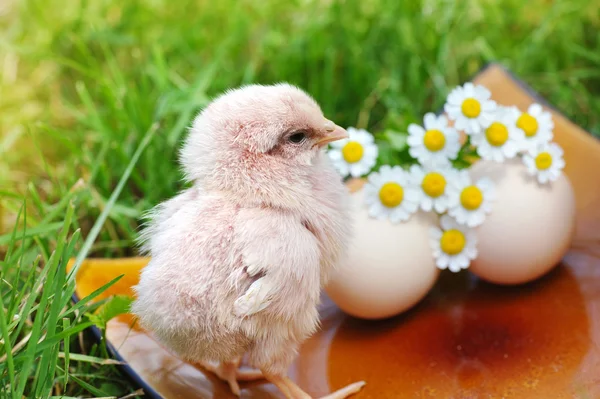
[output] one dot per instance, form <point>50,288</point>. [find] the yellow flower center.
<point>471,198</point>
<point>391,194</point>
<point>434,184</point>
<point>434,140</point>
<point>453,242</point>
<point>471,108</point>
<point>528,124</point>
<point>352,152</point>
<point>543,160</point>
<point>496,134</point>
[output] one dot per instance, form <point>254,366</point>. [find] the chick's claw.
<point>346,391</point>
<point>292,391</point>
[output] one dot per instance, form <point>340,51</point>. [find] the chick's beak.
<point>333,133</point>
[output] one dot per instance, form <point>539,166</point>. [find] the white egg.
<point>390,267</point>
<point>530,227</point>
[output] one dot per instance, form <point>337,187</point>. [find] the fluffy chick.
<point>238,260</point>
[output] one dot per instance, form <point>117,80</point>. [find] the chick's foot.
<point>231,373</point>
<point>293,391</point>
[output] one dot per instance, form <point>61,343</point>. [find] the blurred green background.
<point>83,82</point>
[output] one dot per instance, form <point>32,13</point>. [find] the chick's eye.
<point>297,137</point>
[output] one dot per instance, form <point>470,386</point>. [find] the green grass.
<point>96,95</point>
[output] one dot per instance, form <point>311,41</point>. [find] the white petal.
<point>485,184</point>
<point>371,150</point>
<point>455,97</point>
<point>356,170</point>
<point>510,148</point>
<point>435,233</point>
<point>498,155</point>
<point>334,155</point>
<point>471,252</point>
<point>441,205</point>
<point>415,129</point>
<point>474,126</point>
<point>411,194</point>
<point>459,214</point>
<point>489,106</point>
<point>454,267</point>
<point>426,204</point>
<point>451,134</point>
<point>342,167</point>
<point>415,141</point>
<point>385,169</point>
<point>443,261</point>
<point>366,137</point>
<point>429,121</point>
<point>482,92</point>
<point>555,149</point>
<point>453,112</point>
<point>535,110</point>
<point>484,151</point>
<point>442,121</point>
<point>475,219</point>
<point>462,261</point>
<point>461,123</point>
<point>447,222</point>
<point>469,89</point>
<point>399,215</point>
<point>417,153</point>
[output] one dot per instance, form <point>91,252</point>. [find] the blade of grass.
<point>84,301</point>
<point>91,388</point>
<point>111,201</point>
<point>48,361</point>
<point>27,308</point>
<point>34,231</point>
<point>36,331</point>
<point>12,241</point>
<point>35,196</point>
<point>66,354</point>
<point>89,359</point>
<point>49,342</point>
<point>7,347</point>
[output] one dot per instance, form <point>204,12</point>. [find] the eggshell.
<point>389,268</point>
<point>530,227</point>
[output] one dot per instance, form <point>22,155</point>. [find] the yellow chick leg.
<point>293,391</point>
<point>231,373</point>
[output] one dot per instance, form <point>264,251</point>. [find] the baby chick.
<point>238,260</point>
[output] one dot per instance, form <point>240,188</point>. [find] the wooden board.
<point>467,339</point>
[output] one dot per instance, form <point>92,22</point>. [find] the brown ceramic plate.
<point>467,339</point>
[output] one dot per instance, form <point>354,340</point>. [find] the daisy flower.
<point>468,202</point>
<point>501,139</point>
<point>545,162</point>
<point>436,144</point>
<point>536,125</point>
<point>454,245</point>
<point>470,108</point>
<point>432,186</point>
<point>355,155</point>
<point>390,194</point>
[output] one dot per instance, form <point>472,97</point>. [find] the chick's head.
<point>253,136</point>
